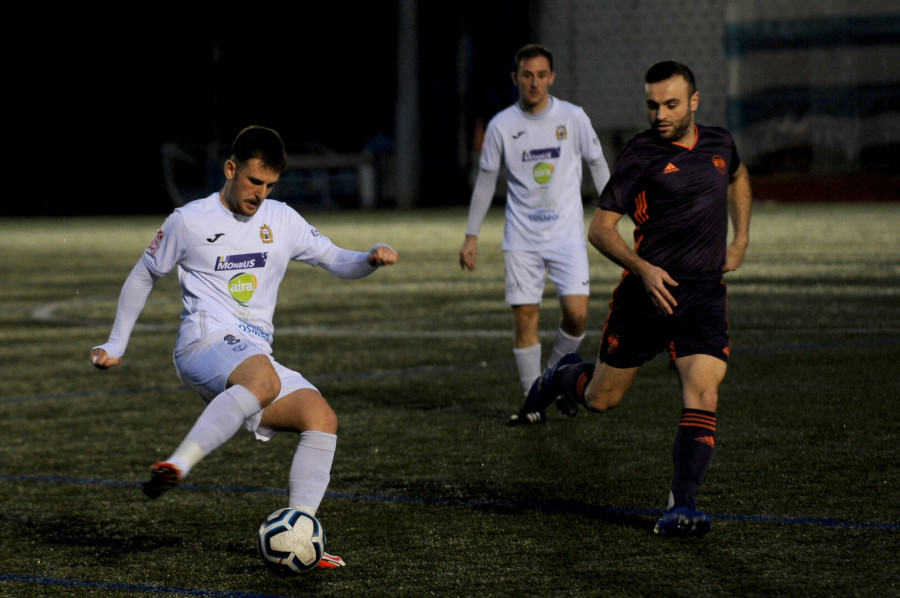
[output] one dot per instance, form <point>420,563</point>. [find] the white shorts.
<point>526,271</point>
<point>205,366</point>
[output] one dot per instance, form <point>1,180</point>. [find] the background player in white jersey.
<point>542,141</point>
<point>231,251</point>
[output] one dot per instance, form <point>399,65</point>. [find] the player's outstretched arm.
<point>132,298</point>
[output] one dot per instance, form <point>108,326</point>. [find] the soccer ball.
<point>291,540</point>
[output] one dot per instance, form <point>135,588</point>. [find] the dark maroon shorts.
<point>635,331</point>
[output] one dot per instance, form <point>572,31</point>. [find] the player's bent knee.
<point>601,399</point>
<point>601,404</point>
<point>315,414</point>
<point>574,325</point>
<point>706,400</point>
<point>326,420</point>
<point>266,388</point>
<point>257,375</point>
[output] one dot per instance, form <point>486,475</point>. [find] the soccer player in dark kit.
<point>679,182</point>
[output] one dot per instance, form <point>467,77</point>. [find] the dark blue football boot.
<point>545,390</point>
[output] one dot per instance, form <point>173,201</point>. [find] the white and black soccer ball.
<point>291,541</point>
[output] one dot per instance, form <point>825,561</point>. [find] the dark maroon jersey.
<point>677,197</point>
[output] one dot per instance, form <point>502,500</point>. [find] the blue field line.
<point>579,509</point>
<point>95,585</point>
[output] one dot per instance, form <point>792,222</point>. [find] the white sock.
<point>311,470</point>
<point>528,361</point>
<point>223,416</point>
<point>565,343</point>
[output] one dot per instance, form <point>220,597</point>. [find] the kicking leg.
<point>252,385</point>
<point>221,419</point>
<point>306,411</point>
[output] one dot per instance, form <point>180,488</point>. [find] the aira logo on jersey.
<point>241,286</point>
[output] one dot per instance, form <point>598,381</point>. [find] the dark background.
<point>96,96</point>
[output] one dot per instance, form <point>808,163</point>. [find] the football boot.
<point>330,561</point>
<point>163,476</point>
<point>682,522</point>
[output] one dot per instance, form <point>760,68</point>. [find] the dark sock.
<point>692,453</point>
<point>569,378</point>
<point>573,379</point>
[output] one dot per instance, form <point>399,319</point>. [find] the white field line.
<point>50,314</point>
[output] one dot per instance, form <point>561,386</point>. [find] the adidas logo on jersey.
<point>670,168</point>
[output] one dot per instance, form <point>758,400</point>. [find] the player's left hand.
<point>734,256</point>
<point>468,253</point>
<point>382,255</point>
<point>102,361</point>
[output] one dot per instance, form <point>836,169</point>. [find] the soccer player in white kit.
<point>542,141</point>
<point>231,251</point>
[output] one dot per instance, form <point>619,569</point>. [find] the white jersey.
<point>230,266</point>
<point>543,154</point>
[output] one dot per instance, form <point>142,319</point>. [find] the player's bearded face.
<point>247,185</point>
<point>670,108</point>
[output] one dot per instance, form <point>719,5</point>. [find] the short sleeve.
<point>624,183</point>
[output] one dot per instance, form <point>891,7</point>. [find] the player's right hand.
<point>101,359</point>
<point>656,282</point>
<point>468,252</point>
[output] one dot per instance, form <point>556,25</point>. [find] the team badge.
<point>719,163</point>
<point>265,233</point>
<point>561,132</point>
<point>612,343</point>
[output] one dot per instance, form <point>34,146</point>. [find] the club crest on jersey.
<point>547,153</point>
<point>265,233</point>
<point>243,261</point>
<point>612,343</point>
<point>719,163</point>
<point>242,286</point>
<point>561,132</point>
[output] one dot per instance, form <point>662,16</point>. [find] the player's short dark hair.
<point>262,143</point>
<point>669,68</point>
<point>531,51</point>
